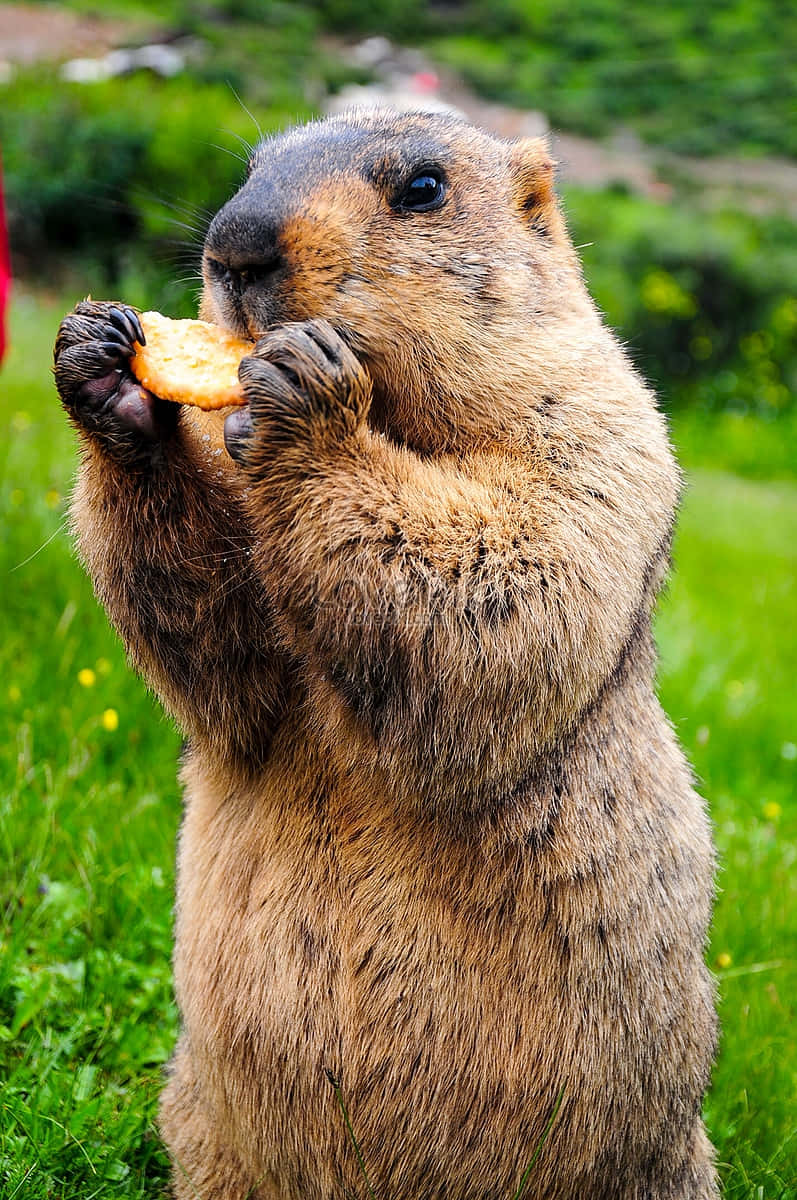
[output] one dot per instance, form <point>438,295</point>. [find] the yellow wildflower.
<point>86,678</point>
<point>662,293</point>
<point>110,720</point>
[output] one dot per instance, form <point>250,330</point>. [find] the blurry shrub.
<point>402,19</point>
<point>123,175</point>
<point>708,300</point>
<point>265,49</point>
<point>697,78</point>
<point>54,163</point>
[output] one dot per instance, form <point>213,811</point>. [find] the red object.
<point>425,81</point>
<point>5,271</point>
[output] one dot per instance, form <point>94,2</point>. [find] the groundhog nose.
<point>238,279</point>
<point>244,235</point>
<point>242,252</point>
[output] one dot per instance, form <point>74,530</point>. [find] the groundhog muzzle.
<point>439,838</point>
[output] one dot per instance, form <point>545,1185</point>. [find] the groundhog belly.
<point>453,1016</point>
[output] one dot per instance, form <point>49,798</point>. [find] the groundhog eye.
<point>425,191</point>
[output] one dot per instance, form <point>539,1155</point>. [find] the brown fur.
<point>439,837</point>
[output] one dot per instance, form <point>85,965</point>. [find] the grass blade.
<point>339,1096</point>
<point>525,1176</point>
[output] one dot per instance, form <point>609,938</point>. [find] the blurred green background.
<point>687,233</point>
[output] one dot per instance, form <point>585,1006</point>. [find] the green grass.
<point>729,661</point>
<point>88,818</point>
<point>88,814</point>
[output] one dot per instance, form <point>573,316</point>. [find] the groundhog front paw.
<point>302,383</point>
<point>92,349</point>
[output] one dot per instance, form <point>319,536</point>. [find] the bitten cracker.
<point>189,362</point>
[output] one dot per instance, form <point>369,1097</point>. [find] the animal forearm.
<point>169,555</point>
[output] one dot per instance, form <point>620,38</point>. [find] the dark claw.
<point>111,334</point>
<point>114,349</point>
<point>130,329</point>
<point>136,323</point>
<point>118,318</point>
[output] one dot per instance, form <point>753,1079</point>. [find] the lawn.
<point>90,808</point>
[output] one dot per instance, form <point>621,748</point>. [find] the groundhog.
<point>440,843</point>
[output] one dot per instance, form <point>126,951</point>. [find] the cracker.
<point>189,362</point>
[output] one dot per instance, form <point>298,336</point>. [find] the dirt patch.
<point>37,33</point>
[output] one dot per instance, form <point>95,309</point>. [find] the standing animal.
<point>439,837</point>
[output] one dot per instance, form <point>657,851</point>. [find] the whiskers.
<point>232,153</point>
<point>60,528</point>
<point>249,114</point>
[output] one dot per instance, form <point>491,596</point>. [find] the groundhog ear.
<point>533,174</point>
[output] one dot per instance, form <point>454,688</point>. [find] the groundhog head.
<point>438,252</point>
